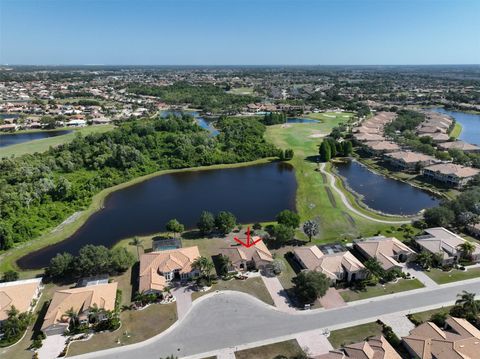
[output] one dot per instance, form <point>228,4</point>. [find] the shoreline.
<point>10,257</point>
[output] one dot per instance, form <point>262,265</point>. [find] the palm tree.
<point>72,317</point>
<point>467,248</point>
<point>310,228</point>
<point>204,266</point>
<point>373,267</point>
<point>225,264</point>
<point>94,312</point>
<point>424,259</point>
<point>137,242</point>
<point>467,301</point>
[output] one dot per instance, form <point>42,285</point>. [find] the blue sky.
<point>232,32</point>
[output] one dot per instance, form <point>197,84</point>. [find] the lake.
<point>470,124</point>
<point>10,139</point>
<point>205,124</point>
<point>254,194</point>
<point>385,194</point>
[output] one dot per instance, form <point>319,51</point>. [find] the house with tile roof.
<point>408,160</point>
<point>158,269</point>
<point>390,252</point>
<point>80,299</point>
<point>450,174</point>
<point>458,340</point>
<point>446,243</point>
<point>374,348</point>
<point>256,256</point>
<point>21,294</point>
<point>339,266</point>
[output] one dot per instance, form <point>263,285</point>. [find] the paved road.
<point>347,204</point>
<point>229,319</point>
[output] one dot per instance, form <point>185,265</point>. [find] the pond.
<point>254,194</point>
<point>385,194</point>
<point>10,139</point>
<point>203,123</point>
<point>470,124</point>
<point>301,120</point>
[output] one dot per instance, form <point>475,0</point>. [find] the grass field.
<point>457,130</point>
<point>455,275</point>
<point>287,348</point>
<point>252,286</point>
<point>315,199</point>
<point>137,326</point>
<point>355,334</point>
<point>45,143</point>
<point>379,290</point>
<point>425,316</point>
<point>241,91</point>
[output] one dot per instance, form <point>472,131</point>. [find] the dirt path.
<point>347,203</point>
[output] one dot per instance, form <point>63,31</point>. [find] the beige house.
<point>409,161</point>
<point>363,137</point>
<point>257,256</point>
<point>374,348</point>
<point>158,269</point>
<point>80,299</point>
<point>380,147</point>
<point>390,252</point>
<point>21,294</point>
<point>450,174</point>
<point>459,340</point>
<point>441,240</point>
<point>336,266</point>
<point>459,145</point>
<point>437,137</point>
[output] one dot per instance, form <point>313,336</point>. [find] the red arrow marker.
<point>249,242</point>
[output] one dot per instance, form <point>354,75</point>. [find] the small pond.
<point>10,139</point>
<point>385,194</point>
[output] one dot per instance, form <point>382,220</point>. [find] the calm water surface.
<point>16,138</point>
<point>385,194</point>
<point>254,193</point>
<point>300,120</point>
<point>470,124</point>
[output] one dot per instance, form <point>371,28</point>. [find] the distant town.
<point>326,212</point>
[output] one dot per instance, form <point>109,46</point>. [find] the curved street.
<point>228,319</point>
<point>347,204</point>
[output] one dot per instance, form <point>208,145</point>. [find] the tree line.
<point>38,192</point>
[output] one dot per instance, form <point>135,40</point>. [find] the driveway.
<point>332,299</point>
<point>230,319</point>
<point>183,296</point>
<point>314,342</point>
<point>52,346</point>
<point>278,294</point>
<point>421,276</point>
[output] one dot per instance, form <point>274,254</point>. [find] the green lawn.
<point>45,143</point>
<point>442,277</point>
<point>457,130</point>
<point>389,288</point>
<point>241,91</point>
<point>339,338</point>
<point>137,326</point>
<point>287,348</point>
<point>425,316</point>
<point>252,286</point>
<point>315,199</point>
